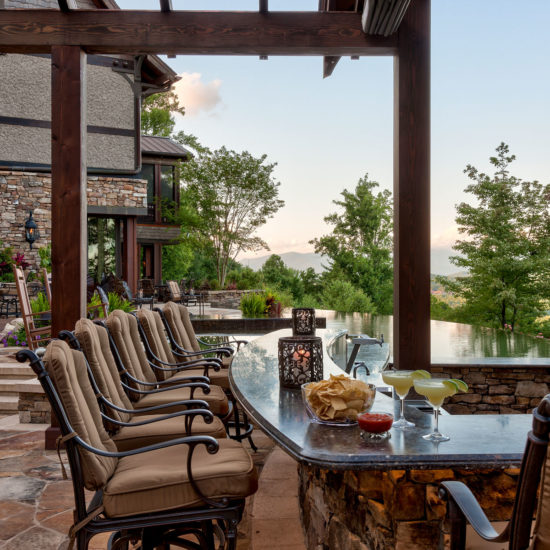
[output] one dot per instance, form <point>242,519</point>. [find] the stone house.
<point>124,221</point>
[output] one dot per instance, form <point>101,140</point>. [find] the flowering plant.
<point>15,338</point>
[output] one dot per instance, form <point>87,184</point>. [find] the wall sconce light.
<point>31,230</point>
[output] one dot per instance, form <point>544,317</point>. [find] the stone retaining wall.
<point>33,408</point>
<point>397,509</point>
<point>227,299</point>
<point>497,389</point>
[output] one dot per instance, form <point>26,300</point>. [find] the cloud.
<point>197,96</point>
<point>447,237</point>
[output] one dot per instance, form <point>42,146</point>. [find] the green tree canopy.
<point>234,194</point>
<point>506,248</point>
<point>156,114</point>
<point>360,245</point>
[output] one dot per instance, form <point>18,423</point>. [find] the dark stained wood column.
<point>129,254</point>
<point>69,239</point>
<point>411,325</point>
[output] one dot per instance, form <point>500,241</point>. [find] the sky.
<point>490,82</point>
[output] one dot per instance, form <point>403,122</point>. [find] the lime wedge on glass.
<point>462,386</point>
<point>418,374</point>
<point>451,385</point>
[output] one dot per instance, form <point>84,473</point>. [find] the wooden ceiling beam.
<point>67,5</point>
<point>329,64</point>
<point>191,33</point>
<point>166,6</point>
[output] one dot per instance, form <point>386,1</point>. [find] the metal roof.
<point>155,145</point>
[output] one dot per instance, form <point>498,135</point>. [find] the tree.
<point>360,245</point>
<point>507,246</point>
<point>156,114</point>
<point>234,194</point>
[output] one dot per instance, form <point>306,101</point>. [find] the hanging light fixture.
<point>31,230</point>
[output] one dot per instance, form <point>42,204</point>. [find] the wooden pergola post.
<point>411,310</point>
<point>69,238</point>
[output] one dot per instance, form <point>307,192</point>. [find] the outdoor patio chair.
<point>155,494</point>
<point>160,354</point>
<point>463,507</point>
<point>118,413</point>
<point>133,363</point>
<point>38,330</point>
<point>47,284</point>
<point>136,300</point>
<point>147,287</point>
<point>183,340</point>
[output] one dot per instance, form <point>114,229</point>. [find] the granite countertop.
<point>477,441</point>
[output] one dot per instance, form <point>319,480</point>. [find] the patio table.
<point>379,494</point>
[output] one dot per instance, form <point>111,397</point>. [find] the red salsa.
<point>375,423</point>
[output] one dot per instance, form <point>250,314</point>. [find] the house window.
<point>148,173</point>
<point>167,191</point>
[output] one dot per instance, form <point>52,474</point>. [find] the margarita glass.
<point>402,381</point>
<point>436,390</point>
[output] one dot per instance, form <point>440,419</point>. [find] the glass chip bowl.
<point>345,420</point>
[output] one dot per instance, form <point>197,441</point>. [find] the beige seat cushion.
<point>133,437</point>
<point>216,399</point>
<point>219,378</point>
<point>157,481</point>
<point>123,328</point>
<point>67,369</point>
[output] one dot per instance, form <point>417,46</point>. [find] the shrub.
<point>343,296</point>
<point>118,302</point>
<point>308,301</point>
<point>16,337</point>
<point>40,303</point>
<point>45,254</point>
<point>253,305</point>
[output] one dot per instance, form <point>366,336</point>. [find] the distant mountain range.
<point>296,260</point>
<point>302,260</point>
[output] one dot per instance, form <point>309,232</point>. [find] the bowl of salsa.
<point>375,425</point>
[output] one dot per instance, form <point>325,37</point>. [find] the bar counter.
<point>359,494</point>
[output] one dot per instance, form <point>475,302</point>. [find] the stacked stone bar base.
<point>396,509</point>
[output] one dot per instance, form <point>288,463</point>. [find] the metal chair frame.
<point>153,529</point>
<point>243,427</point>
<point>463,506</point>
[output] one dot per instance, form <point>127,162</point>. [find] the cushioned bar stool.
<point>130,428</point>
<point>139,373</point>
<point>463,507</point>
<point>183,340</point>
<point>157,494</point>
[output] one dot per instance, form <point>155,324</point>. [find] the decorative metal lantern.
<point>31,230</point>
<point>300,361</point>
<point>303,321</point>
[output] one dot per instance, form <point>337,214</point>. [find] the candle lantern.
<point>303,321</point>
<point>300,361</point>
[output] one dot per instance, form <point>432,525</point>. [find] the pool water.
<point>450,342</point>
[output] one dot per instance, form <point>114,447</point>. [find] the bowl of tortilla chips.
<point>338,401</point>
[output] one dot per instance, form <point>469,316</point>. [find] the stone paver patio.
<point>36,503</point>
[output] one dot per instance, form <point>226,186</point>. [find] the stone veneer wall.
<point>33,192</point>
<point>396,509</point>
<point>496,389</point>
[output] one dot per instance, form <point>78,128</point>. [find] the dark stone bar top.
<point>477,441</point>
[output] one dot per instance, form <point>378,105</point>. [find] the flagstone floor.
<point>36,503</point>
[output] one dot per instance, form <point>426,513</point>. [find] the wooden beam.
<point>129,255</point>
<point>69,239</point>
<point>166,6</point>
<point>197,33</point>
<point>264,6</point>
<point>329,64</point>
<point>411,314</point>
<point>67,5</point>
<point>69,245</point>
